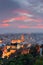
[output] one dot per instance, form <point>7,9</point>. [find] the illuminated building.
<point>18,40</point>
<point>29,45</point>
<point>25,51</point>
<point>18,46</point>
<point>22,38</point>
<point>10,49</point>
<point>1,41</point>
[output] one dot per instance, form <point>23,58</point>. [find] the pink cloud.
<point>39,26</point>
<point>15,19</point>
<point>22,11</point>
<point>4,25</point>
<point>22,18</point>
<point>4,21</point>
<point>25,26</point>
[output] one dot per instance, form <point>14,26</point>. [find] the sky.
<point>21,16</point>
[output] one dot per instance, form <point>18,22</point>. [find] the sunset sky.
<point>21,16</point>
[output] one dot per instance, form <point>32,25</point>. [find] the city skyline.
<point>21,16</point>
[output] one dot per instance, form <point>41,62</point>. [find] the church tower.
<point>22,37</point>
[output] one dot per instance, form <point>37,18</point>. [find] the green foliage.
<point>26,59</point>
<point>38,62</point>
<point>1,62</point>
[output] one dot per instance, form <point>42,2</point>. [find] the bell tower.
<point>22,37</point>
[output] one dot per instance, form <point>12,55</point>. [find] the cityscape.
<point>14,45</point>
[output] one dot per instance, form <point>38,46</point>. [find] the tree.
<point>38,62</point>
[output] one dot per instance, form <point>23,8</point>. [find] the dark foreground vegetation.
<point>25,59</point>
<point>32,58</point>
